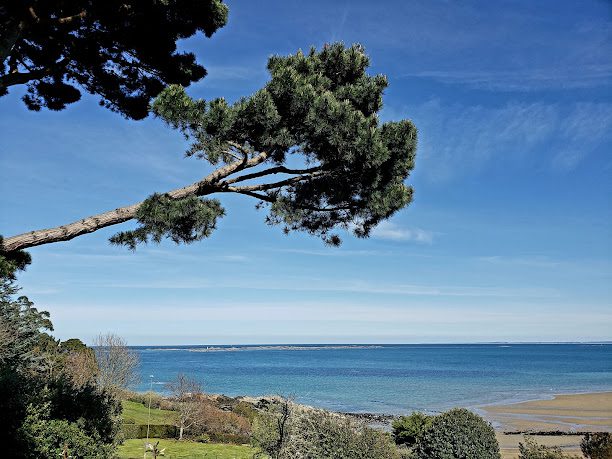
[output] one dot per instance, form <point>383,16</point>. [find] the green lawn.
<point>134,449</point>
<point>138,413</point>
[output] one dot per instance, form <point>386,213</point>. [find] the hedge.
<point>155,431</point>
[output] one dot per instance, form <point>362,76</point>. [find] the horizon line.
<point>377,344</point>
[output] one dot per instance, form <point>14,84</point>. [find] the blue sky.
<point>509,237</point>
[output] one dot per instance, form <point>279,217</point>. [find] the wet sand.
<point>567,413</point>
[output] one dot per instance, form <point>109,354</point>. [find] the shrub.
<point>130,431</point>
<point>246,410</point>
<point>459,434</point>
<point>47,437</point>
<point>530,449</point>
<point>47,401</point>
<point>597,445</point>
<point>155,431</point>
<point>221,426</point>
<point>203,438</point>
<point>407,430</point>
<point>295,432</point>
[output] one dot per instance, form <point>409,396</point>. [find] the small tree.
<point>185,393</point>
<point>271,429</point>
<point>44,412</point>
<point>287,431</point>
<point>309,146</point>
<point>597,445</point>
<point>530,449</point>
<point>80,366</point>
<point>407,430</point>
<point>117,364</point>
<point>458,434</point>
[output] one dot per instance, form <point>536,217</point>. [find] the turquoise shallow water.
<point>389,378</point>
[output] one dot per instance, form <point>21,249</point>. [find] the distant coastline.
<point>283,347</point>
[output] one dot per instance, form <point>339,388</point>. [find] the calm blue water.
<point>393,378</point>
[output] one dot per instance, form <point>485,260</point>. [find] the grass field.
<point>133,449</point>
<point>139,414</point>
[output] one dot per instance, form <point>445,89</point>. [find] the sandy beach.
<point>568,413</point>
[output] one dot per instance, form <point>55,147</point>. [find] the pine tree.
<point>308,146</point>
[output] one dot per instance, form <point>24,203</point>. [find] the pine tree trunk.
<point>206,186</point>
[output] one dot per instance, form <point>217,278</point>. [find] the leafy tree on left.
<point>121,50</point>
<point>43,411</point>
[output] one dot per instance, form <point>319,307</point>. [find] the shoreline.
<point>585,411</point>
<point>545,419</point>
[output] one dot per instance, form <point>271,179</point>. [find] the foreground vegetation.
<point>62,398</point>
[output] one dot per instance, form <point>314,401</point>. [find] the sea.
<point>385,379</point>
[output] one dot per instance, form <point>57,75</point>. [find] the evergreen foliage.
<point>22,330</point>
<point>597,445</point>
<point>530,449</point>
<point>121,50</point>
<point>458,434</point>
<point>316,154</point>
<point>46,411</point>
<point>407,430</point>
<point>319,111</point>
<point>180,220</point>
<point>12,262</point>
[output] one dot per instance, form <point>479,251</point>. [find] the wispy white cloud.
<point>224,76</point>
<point>336,252</point>
<point>313,284</point>
<point>535,261</point>
<point>523,79</point>
<point>394,232</point>
<point>455,140</point>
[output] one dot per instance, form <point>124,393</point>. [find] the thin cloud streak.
<point>522,80</point>
<point>339,285</point>
<point>559,135</point>
<point>394,232</point>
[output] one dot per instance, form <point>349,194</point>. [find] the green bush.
<point>530,449</point>
<point>407,430</point>
<point>597,445</point>
<point>49,438</point>
<point>458,434</point>
<point>155,431</point>
<point>287,432</point>
<point>202,438</point>
<point>130,431</point>
<point>42,406</point>
<point>246,410</point>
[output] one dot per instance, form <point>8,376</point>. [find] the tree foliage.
<point>407,430</point>
<point>597,445</point>
<point>46,410</point>
<point>22,330</point>
<point>121,50</point>
<point>287,431</point>
<point>458,434</point>
<point>308,146</point>
<point>319,110</point>
<point>530,449</point>
<point>11,262</point>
